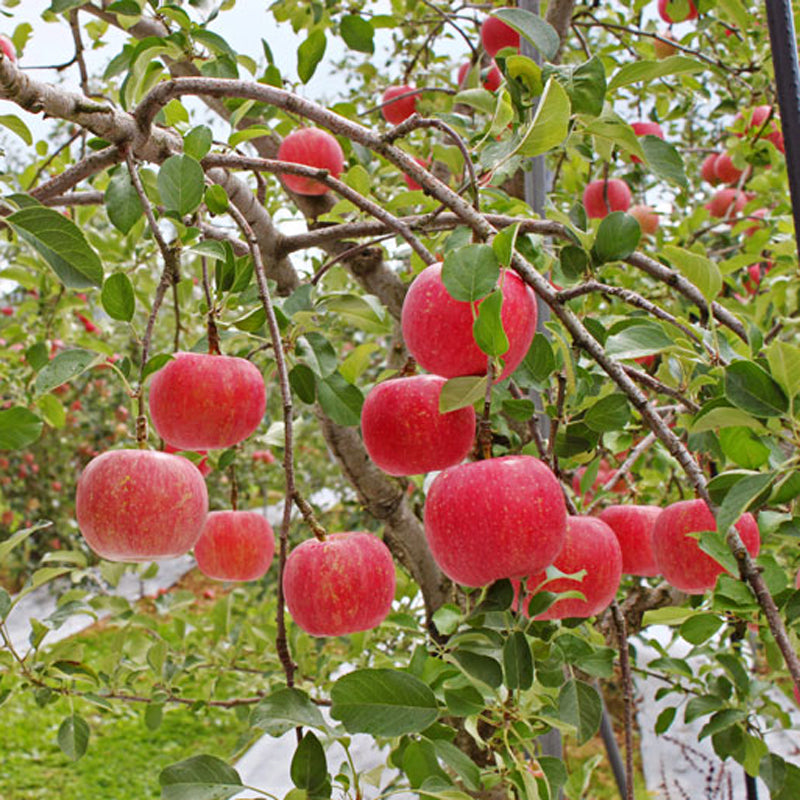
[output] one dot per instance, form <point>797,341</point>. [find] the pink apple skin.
<point>633,526</point>
<point>492,78</point>
<point>591,545</point>
<point>594,198</point>
<point>646,129</point>
<point>399,110</point>
<point>7,46</point>
<point>342,585</point>
<point>235,546</point>
<point>313,148</point>
<point>664,12</point>
<point>725,170</point>
<point>207,402</point>
<point>726,203</point>
<point>495,35</point>
<point>679,557</point>
<point>758,118</point>
<point>140,505</point>
<point>499,518</point>
<point>438,329</point>
<point>646,217</point>
<point>405,434</point>
<point>708,170</point>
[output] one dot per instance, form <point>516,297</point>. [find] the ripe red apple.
<point>140,505</point>
<point>405,434</point>
<point>342,585</point>
<point>664,49</point>
<point>7,46</point>
<point>592,546</point>
<point>7,311</point>
<point>235,546</point>
<point>205,402</point>
<point>594,198</point>
<point>438,329</point>
<point>757,119</point>
<point>678,555</point>
<point>727,203</point>
<point>495,35</point>
<point>646,129</point>
<point>754,275</point>
<point>492,77</point>
<point>676,10</point>
<point>633,526</point>
<point>646,217</point>
<point>399,110</point>
<point>500,518</point>
<point>725,170</point>
<point>708,170</point>
<point>313,148</point>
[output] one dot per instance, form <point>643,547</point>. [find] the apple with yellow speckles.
<point>235,546</point>
<point>140,505</point>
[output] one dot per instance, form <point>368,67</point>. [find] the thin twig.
<point>627,693</point>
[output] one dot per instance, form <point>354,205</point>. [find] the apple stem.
<point>141,428</point>
<point>409,368</point>
<point>211,325</point>
<point>234,488</point>
<point>309,516</point>
<point>485,425</point>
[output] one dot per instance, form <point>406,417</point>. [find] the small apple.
<point>757,119</point>
<point>633,526</point>
<point>646,129</point>
<point>264,456</point>
<point>205,402</point>
<point>759,214</point>
<point>341,585</point>
<point>499,518</point>
<point>140,505</point>
<point>405,434</point>
<point>592,546</point>
<point>495,35</point>
<point>727,203</point>
<point>708,171</point>
<point>664,49</point>
<point>7,311</point>
<point>492,77</point>
<point>676,10</point>
<point>8,49</point>
<point>646,217</point>
<point>235,546</point>
<point>438,329</point>
<point>396,111</point>
<point>600,198</point>
<point>725,170</point>
<point>754,274</point>
<point>678,555</point>
<point>313,148</point>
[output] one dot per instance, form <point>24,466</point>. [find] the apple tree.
<point>476,319</point>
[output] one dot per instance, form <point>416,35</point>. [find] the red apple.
<point>676,10</point>
<point>646,217</point>
<point>495,35</point>
<point>678,555</point>
<point>405,434</point>
<point>646,129</point>
<point>492,78</point>
<point>594,198</point>
<point>6,311</point>
<point>313,148</point>
<point>633,526</point>
<point>397,111</point>
<point>205,402</point>
<point>754,275</point>
<point>235,546</point>
<point>7,46</point>
<point>410,182</point>
<point>264,456</point>
<point>708,170</point>
<point>727,203</point>
<point>342,585</point>
<point>664,49</point>
<point>725,170</point>
<point>592,546</point>
<point>140,505</point>
<point>604,474</point>
<point>757,119</point>
<point>500,518</point>
<point>759,214</point>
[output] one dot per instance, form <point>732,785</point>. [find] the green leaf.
<point>610,413</point>
<point>638,340</point>
<point>518,661</point>
<point>209,249</point>
<point>700,628</point>
<point>61,243</point>
<point>739,499</point>
<point>285,709</point>
<point>488,327</point>
<point>697,269</point>
<point>155,363</point>
<point>744,447</point>
<point>200,777</point>
<point>364,313</point>
<point>309,769</point>
<point>752,389</point>
<point>303,382</point>
<point>471,272</point>
<point>73,737</point>
<point>480,666</point>
<point>616,132</point>
<point>700,706</point>
<point>646,71</point>
<point>18,428</point>
<point>579,705</point>
<point>617,237</point>
<point>459,762</point>
<point>585,84</point>
<point>721,720</point>
<point>539,360</point>
<point>64,367</point>
<point>461,392</point>
<point>550,124</point>
<point>358,33</point>
<point>464,702</point>
<point>17,126</point>
<point>318,352</point>
<point>117,297</point>
<point>310,53</point>
<point>784,364</point>
<point>503,243</point>
<point>181,184</point>
<point>20,536</point>
<point>340,400</point>
<point>197,142</point>
<point>383,702</point>
<point>123,206</point>
<point>5,604</point>
<point>216,198</point>
<point>664,160</point>
<point>664,719</point>
<point>538,32</point>
<point>521,410</point>
<point>714,545</point>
